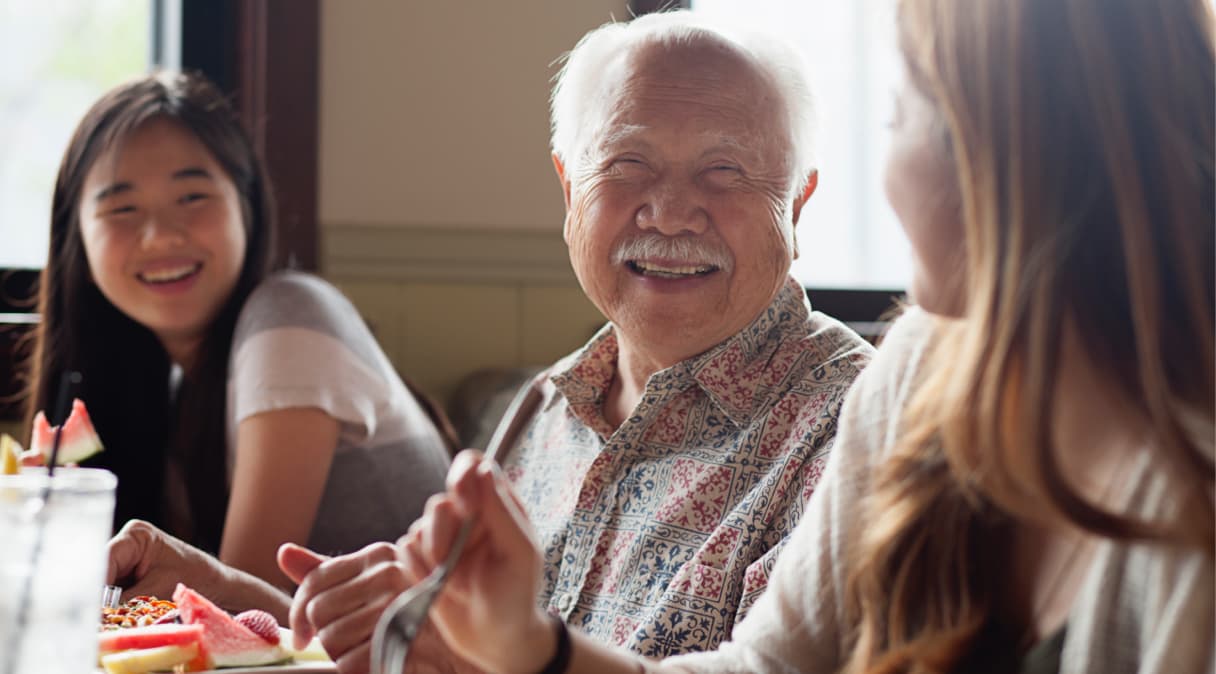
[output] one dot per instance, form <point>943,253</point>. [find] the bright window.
<point>59,56</point>
<point>848,236</point>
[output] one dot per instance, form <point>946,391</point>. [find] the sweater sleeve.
<point>798,624</point>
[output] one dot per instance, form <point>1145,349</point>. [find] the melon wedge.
<point>313,652</point>
<point>159,659</point>
<point>10,455</point>
<point>79,440</point>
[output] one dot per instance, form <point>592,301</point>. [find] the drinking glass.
<point>53,534</point>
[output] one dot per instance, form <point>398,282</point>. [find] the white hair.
<point>575,85</point>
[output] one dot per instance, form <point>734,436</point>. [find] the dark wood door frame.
<point>265,53</point>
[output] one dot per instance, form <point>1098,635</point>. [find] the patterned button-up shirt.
<point>658,535</point>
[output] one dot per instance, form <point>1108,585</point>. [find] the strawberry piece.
<point>260,623</point>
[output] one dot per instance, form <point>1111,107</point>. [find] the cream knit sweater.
<point>1142,608</point>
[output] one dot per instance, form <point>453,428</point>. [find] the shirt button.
<point>564,601</point>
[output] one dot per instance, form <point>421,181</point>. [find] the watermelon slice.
<point>149,636</point>
<point>79,440</point>
<point>226,642</point>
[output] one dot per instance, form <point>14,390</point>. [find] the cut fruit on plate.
<point>285,668</point>
<point>260,623</point>
<point>313,653</point>
<point>79,440</point>
<point>157,659</point>
<point>249,643</point>
<point>227,643</point>
<point>149,636</point>
<point>10,455</point>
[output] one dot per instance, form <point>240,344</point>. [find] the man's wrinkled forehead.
<point>708,68</point>
<point>625,135</point>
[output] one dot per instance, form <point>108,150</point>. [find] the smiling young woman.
<point>240,408</point>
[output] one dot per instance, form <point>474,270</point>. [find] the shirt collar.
<point>732,373</point>
<point>584,377</point>
<point>739,374</point>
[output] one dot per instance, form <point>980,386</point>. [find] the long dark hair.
<point>126,370</point>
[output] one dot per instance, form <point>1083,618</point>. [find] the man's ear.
<point>812,182</point>
<point>560,167</point>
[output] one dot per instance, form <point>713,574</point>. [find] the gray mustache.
<point>693,250</point>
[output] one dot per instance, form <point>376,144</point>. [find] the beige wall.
<point>439,210</point>
<point>435,113</point>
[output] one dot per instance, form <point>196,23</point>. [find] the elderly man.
<point>673,453</point>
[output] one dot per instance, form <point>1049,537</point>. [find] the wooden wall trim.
<point>445,254</point>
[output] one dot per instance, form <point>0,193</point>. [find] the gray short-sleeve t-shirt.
<point>300,343</point>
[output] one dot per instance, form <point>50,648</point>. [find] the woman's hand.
<point>487,613</point>
<point>146,560</point>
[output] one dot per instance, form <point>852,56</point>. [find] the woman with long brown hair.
<point>239,408</point>
<point>1023,478</point>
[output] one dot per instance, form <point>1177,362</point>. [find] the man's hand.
<point>146,560</point>
<point>340,599</point>
<point>429,655</point>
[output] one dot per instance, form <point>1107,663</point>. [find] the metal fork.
<point>111,596</point>
<point>399,624</point>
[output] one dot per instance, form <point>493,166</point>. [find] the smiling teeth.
<point>691,270</point>
<point>169,275</point>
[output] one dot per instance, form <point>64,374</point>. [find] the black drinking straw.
<point>67,383</point>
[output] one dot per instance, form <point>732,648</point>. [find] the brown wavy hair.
<point>1081,133</point>
<point>125,369</point>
